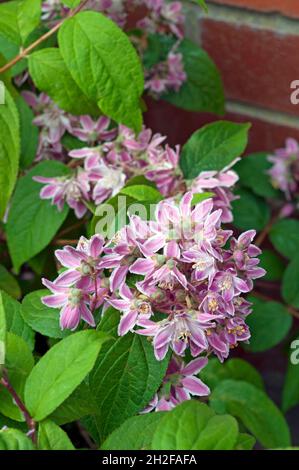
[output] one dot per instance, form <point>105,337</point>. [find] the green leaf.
<point>252,171</point>
<point>284,235</point>
<point>9,51</point>
<point>237,369</point>
<point>272,264</point>
<point>13,439</point>
<point>32,221</point>
<point>250,211</point>
<point>199,197</point>
<point>135,433</point>
<point>19,362</point>
<point>290,283</point>
<point>269,324</point>
<point>125,377</point>
<point>14,320</point>
<point>203,89</point>
<point>71,3</point>
<point>2,332</point>
<point>290,393</point>
<point>255,410</point>
<point>52,437</point>
<point>39,317</point>
<point>9,149</point>
<point>245,442</point>
<point>60,371</point>
<point>18,18</point>
<point>79,404</point>
<point>8,283</point>
<point>194,426</point>
<point>203,5</point>
<point>29,133</point>
<point>213,147</point>
<point>142,192</point>
<point>104,64</point>
<point>51,75</point>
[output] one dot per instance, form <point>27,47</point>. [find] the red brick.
<point>286,7</point>
<point>178,125</point>
<point>257,65</point>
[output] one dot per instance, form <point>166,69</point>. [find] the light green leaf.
<point>252,170</point>
<point>290,283</point>
<point>13,439</point>
<point>104,64</point>
<point>199,197</point>
<point>269,324</point>
<point>18,18</point>
<point>2,332</point>
<point>52,437</point>
<point>237,369</point>
<point>14,320</point>
<point>51,75</point>
<point>60,371</point>
<point>8,283</point>
<point>213,147</point>
<point>9,149</point>
<point>19,362</point>
<point>250,211</point>
<point>245,442</point>
<point>29,133</point>
<point>142,192</point>
<point>71,3</point>
<point>284,235</point>
<point>273,264</point>
<point>32,221</point>
<point>255,410</point>
<point>194,426</point>
<point>39,317</point>
<point>125,377</point>
<point>203,89</point>
<point>135,433</point>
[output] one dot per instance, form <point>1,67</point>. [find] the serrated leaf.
<point>125,377</point>
<point>213,147</point>
<point>104,65</point>
<point>255,410</point>
<point>59,372</point>
<point>135,433</point>
<point>194,426</point>
<point>269,324</point>
<point>252,171</point>
<point>290,283</point>
<point>237,369</point>
<point>18,18</point>
<point>14,320</point>
<point>203,90</point>
<point>18,363</point>
<point>52,437</point>
<point>39,317</point>
<point>32,221</point>
<point>250,211</point>
<point>14,439</point>
<point>8,283</point>
<point>50,74</point>
<point>9,149</point>
<point>29,133</point>
<point>284,235</point>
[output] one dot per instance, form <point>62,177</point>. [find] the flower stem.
<point>24,52</point>
<point>263,235</point>
<point>29,420</point>
<point>64,241</point>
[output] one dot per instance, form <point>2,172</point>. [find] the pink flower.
<point>166,76</point>
<point>285,170</point>
<point>133,308</point>
<point>91,131</point>
<point>73,302</point>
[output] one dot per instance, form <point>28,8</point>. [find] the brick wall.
<point>255,44</point>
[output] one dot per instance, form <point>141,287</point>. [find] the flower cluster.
<point>188,276</point>
<point>166,76</point>
<point>284,173</point>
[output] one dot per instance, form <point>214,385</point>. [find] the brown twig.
<point>29,420</point>
<point>292,311</point>
<point>24,52</point>
<point>261,237</point>
<point>86,437</point>
<point>63,242</point>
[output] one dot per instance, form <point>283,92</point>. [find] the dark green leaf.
<point>250,211</point>
<point>52,437</point>
<point>14,320</point>
<point>29,133</point>
<point>285,237</point>
<point>272,264</point>
<point>8,283</point>
<point>290,283</point>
